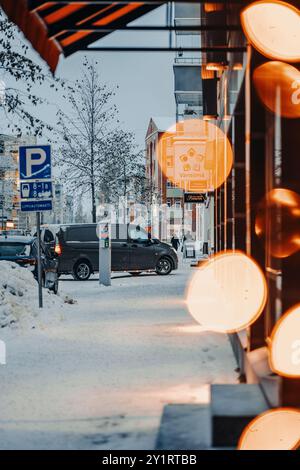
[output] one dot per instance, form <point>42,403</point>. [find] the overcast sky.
<point>145,80</point>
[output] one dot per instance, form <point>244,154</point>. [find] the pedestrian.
<point>183,240</point>
<point>175,242</point>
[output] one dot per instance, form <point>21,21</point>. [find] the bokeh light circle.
<point>273,28</point>
<point>277,429</point>
<point>278,87</point>
<point>228,293</point>
<point>278,219</point>
<point>285,344</point>
<point>195,155</point>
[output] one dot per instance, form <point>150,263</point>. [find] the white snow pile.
<point>19,298</point>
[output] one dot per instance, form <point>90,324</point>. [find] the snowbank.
<point>19,298</point>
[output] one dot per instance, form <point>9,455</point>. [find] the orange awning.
<point>55,27</point>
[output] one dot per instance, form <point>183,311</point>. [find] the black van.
<point>77,247</point>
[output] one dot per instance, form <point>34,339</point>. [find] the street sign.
<point>35,162</point>
<point>194,197</point>
<point>36,190</point>
<point>36,206</point>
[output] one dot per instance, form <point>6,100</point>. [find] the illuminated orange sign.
<point>278,86</point>
<point>227,293</point>
<point>195,155</point>
<point>285,344</point>
<point>277,429</point>
<point>273,28</point>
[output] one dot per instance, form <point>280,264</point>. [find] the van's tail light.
<point>58,249</point>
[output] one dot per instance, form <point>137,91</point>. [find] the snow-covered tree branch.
<point>20,80</point>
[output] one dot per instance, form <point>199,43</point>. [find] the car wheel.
<point>82,271</point>
<point>164,266</point>
<point>135,273</point>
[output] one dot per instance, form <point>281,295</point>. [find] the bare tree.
<point>85,134</point>
<point>125,170</point>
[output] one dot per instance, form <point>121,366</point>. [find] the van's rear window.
<point>81,234</point>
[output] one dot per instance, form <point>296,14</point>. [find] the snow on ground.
<point>19,299</point>
<point>100,378</point>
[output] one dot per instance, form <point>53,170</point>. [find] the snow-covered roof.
<point>163,123</point>
<point>160,124</point>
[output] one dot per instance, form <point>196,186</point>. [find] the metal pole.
<point>248,163</point>
<point>39,258</point>
<point>248,149</point>
<point>2,201</point>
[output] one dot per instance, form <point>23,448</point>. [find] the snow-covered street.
<point>99,376</point>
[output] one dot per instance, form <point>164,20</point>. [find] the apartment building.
<point>11,215</point>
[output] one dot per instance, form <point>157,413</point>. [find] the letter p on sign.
<point>30,161</point>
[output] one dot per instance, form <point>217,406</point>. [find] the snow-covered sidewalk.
<point>99,376</point>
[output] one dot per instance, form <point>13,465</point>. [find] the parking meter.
<point>104,231</point>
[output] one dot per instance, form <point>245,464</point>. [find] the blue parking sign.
<point>35,162</point>
<point>36,189</point>
<point>37,205</point>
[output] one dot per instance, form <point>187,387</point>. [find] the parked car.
<point>23,250</point>
<point>77,247</point>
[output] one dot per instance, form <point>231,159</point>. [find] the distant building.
<point>162,191</point>
<point>11,216</point>
<point>195,90</point>
<point>187,65</point>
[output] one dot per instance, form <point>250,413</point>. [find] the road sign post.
<point>36,192</point>
<point>39,258</point>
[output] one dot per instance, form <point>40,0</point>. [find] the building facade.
<point>11,215</point>
<point>265,143</point>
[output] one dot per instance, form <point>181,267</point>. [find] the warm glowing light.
<point>216,66</point>
<point>209,117</point>
<point>278,86</point>
<point>278,221</point>
<point>227,293</point>
<point>285,344</point>
<point>210,7</point>
<point>296,240</point>
<point>238,66</point>
<point>273,28</point>
<point>277,429</point>
<point>206,74</point>
<point>284,197</point>
<point>195,155</point>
